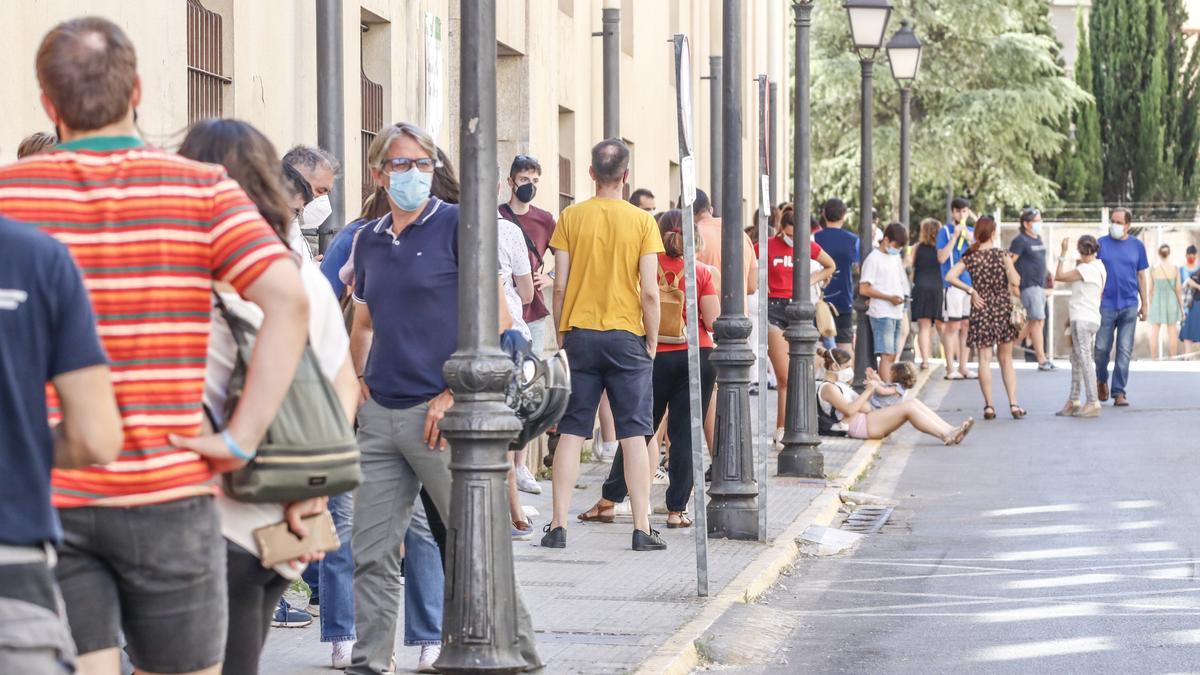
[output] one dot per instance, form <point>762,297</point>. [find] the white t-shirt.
<point>330,344</point>
<point>514,261</point>
<point>1085,295</point>
<point>886,274</point>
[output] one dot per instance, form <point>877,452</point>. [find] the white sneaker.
<point>429,654</point>
<point>625,509</point>
<point>605,451</point>
<point>530,511</point>
<point>342,650</point>
<point>661,477</point>
<point>526,482</point>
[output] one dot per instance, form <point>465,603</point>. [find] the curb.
<point>679,655</point>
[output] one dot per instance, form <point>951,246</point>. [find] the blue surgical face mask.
<point>409,189</point>
<point>1036,228</point>
<point>893,251</point>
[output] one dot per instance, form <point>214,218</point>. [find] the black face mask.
<point>525,192</point>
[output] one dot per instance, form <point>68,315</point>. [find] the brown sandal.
<point>683,521</point>
<point>596,514</point>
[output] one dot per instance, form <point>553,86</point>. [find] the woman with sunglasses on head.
<point>994,287</point>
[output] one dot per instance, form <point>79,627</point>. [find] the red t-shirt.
<point>779,266</point>
<point>704,286</point>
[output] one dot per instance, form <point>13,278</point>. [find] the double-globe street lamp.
<point>800,456</point>
<point>868,23</point>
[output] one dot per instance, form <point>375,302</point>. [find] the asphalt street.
<point>1042,545</point>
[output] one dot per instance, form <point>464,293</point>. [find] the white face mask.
<point>316,212</point>
<point>845,375</point>
<point>1116,230</point>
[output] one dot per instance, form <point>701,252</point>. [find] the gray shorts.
<point>1034,300</point>
<point>156,572</point>
<point>33,630</point>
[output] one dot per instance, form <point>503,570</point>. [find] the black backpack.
<point>827,422</point>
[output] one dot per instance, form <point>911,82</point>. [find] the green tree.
<point>986,111</point>
<point>1087,178</point>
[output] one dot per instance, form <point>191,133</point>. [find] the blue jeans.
<point>1124,323</point>
<point>332,579</point>
<point>424,583</point>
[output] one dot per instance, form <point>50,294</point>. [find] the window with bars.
<point>206,74</point>
<point>372,122</point>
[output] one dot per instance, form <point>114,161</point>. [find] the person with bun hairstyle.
<point>1087,285</point>
<point>838,403</point>
<point>994,284</point>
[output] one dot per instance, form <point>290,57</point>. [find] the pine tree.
<point>1087,128</point>
<point>1151,181</point>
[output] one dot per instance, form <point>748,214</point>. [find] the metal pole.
<point>764,439</point>
<point>716,126</point>
<point>773,144</point>
<point>733,512</point>
<point>331,108</point>
<point>800,456</point>
<point>611,21</point>
<point>479,630</point>
<point>866,242</point>
<point>905,187</point>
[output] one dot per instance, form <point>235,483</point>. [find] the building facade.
<point>256,60</point>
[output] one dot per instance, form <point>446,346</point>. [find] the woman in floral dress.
<point>995,281</point>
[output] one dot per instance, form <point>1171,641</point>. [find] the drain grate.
<point>867,519</point>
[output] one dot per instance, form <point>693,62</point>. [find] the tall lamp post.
<point>479,627</point>
<point>733,509</point>
<point>800,456</point>
<point>904,55</point>
<point>868,23</point>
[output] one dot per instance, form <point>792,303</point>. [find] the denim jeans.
<point>1123,322</point>
<point>332,579</point>
<point>424,583</point>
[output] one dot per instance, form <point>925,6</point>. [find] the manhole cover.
<point>867,519</point>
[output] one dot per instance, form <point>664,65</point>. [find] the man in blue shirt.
<point>1124,302</point>
<point>842,246</point>
<point>49,336</point>
<point>952,241</point>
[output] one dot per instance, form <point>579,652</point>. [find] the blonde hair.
<point>377,153</point>
<point>929,230</point>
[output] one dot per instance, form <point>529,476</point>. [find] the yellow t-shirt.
<point>605,239</point>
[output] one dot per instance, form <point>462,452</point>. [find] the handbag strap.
<point>528,242</point>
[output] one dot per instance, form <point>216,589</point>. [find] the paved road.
<point>1042,545</point>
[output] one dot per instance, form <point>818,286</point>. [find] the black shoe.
<point>556,538</point>
<point>708,475</point>
<point>648,542</point>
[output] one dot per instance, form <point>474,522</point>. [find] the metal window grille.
<point>372,122</point>
<point>566,195</point>
<point>206,79</point>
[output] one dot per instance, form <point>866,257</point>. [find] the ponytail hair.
<point>670,226</point>
<point>985,228</point>
<point>833,357</point>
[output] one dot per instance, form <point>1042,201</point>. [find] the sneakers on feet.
<point>1047,366</point>
<point>605,451</point>
<point>429,654</point>
<point>556,538</point>
<point>522,531</point>
<point>526,482</point>
<point>625,509</point>
<point>661,477</point>
<point>314,608</point>
<point>1090,410</point>
<point>648,542</point>
<point>342,649</point>
<point>287,616</point>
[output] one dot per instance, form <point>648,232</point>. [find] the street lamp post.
<point>479,626</point>
<point>904,55</point>
<point>331,109</point>
<point>800,456</point>
<point>716,127</point>
<point>611,21</point>
<point>733,509</point>
<point>868,23</point>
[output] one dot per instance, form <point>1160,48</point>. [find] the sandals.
<point>1017,411</point>
<point>596,514</point>
<point>961,432</point>
<point>989,413</point>
<point>681,521</point>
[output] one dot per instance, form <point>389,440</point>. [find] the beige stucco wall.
<point>550,63</point>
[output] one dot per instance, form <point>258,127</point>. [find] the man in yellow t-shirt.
<point>606,303</point>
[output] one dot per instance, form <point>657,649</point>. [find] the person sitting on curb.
<point>838,401</point>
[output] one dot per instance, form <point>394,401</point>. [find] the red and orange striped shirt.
<point>150,231</point>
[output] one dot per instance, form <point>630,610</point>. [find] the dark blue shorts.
<point>615,361</point>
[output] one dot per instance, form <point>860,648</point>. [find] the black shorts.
<point>844,321</point>
<point>777,312</point>
<point>156,572</point>
<point>613,361</point>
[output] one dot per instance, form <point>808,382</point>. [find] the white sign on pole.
<point>687,169</point>
<point>434,92</point>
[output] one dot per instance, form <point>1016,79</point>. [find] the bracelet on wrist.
<point>235,449</point>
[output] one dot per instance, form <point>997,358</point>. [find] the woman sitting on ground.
<point>836,399</point>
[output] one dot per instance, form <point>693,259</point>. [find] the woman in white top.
<point>1087,286</point>
<point>835,399</point>
<point>253,591</point>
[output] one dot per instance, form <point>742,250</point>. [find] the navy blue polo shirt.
<point>47,328</point>
<point>410,285</point>
<point>842,246</point>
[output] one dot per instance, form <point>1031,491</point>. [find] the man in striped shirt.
<point>142,550</point>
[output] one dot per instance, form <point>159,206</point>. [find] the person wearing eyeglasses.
<point>1028,250</point>
<point>405,281</point>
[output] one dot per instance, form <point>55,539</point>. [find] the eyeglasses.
<point>424,164</point>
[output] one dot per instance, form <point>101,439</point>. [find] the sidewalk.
<point>599,607</point>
